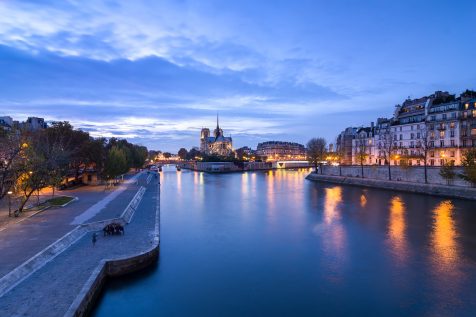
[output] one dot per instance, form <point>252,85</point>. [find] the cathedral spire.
<point>218,126</point>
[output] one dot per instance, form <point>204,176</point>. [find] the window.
<point>442,162</point>
<point>473,131</point>
<point>432,153</point>
<point>432,127</point>
<point>412,136</point>
<point>464,143</point>
<point>465,114</point>
<point>452,125</point>
<point>411,128</point>
<point>444,116</point>
<point>442,143</point>
<point>412,144</point>
<point>432,143</point>
<point>463,132</point>
<point>401,137</point>
<point>452,153</point>
<point>433,118</point>
<point>466,106</point>
<point>452,142</point>
<point>417,162</point>
<point>442,134</point>
<point>474,113</point>
<point>453,115</point>
<point>432,162</point>
<point>401,144</point>
<point>400,129</point>
<point>452,133</point>
<point>418,135</point>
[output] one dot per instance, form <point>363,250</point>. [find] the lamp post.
<point>9,203</point>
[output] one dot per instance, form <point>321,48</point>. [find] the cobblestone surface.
<point>51,290</point>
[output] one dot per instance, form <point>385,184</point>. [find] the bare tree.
<point>361,152</point>
<point>316,152</point>
<point>10,158</point>
<point>388,148</point>
<point>424,144</point>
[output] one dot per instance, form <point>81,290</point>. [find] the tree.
<point>33,173</point>
<point>116,163</point>
<point>388,148</point>
<point>447,171</point>
<point>424,145</point>
<point>182,153</point>
<point>167,155</point>
<point>11,147</point>
<point>469,166</point>
<point>316,152</point>
<point>193,154</point>
<point>362,154</point>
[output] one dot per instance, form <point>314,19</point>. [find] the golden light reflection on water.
<point>445,258</point>
<point>444,237</point>
<point>332,199</point>
<point>397,228</point>
<point>363,200</point>
<point>334,234</point>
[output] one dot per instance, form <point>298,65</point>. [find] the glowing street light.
<point>9,203</point>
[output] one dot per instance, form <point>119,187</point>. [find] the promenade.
<point>50,290</point>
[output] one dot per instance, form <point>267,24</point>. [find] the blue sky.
<point>156,72</point>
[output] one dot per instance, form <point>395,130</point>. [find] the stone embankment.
<point>70,273</point>
<point>421,188</point>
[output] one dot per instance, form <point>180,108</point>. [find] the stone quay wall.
<point>428,189</point>
<point>91,290</point>
<point>414,174</point>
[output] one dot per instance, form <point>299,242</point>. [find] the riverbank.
<point>88,265</point>
<point>428,189</point>
<point>238,167</point>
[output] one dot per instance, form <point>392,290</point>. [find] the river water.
<point>275,244</point>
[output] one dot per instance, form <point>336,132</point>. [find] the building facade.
<point>217,144</point>
<point>279,150</point>
<point>438,127</point>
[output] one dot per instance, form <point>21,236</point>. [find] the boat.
<point>178,168</point>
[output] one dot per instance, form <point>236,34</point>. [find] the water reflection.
<point>332,199</point>
<point>444,238</point>
<point>363,200</point>
<point>445,262</point>
<point>396,230</point>
<point>334,235</point>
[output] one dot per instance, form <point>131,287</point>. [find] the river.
<point>274,244</point>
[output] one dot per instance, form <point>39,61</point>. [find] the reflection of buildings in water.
<point>397,228</point>
<point>332,199</point>
<point>333,234</point>
<point>363,200</point>
<point>445,259</point>
<point>444,237</point>
<point>179,183</point>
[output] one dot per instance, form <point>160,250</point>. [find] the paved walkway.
<point>51,290</point>
<point>21,241</point>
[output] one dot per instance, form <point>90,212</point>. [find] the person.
<point>94,238</point>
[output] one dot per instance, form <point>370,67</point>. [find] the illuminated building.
<point>278,150</point>
<point>218,144</point>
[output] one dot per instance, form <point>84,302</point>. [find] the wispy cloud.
<point>272,71</point>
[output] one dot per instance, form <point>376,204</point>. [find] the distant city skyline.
<point>156,73</point>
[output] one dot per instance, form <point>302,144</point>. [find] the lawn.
<point>59,201</point>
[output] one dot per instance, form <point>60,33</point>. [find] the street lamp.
<point>9,203</point>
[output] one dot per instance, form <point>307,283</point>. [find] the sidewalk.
<point>21,241</point>
<point>51,290</point>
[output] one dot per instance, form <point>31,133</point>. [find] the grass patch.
<point>59,201</point>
